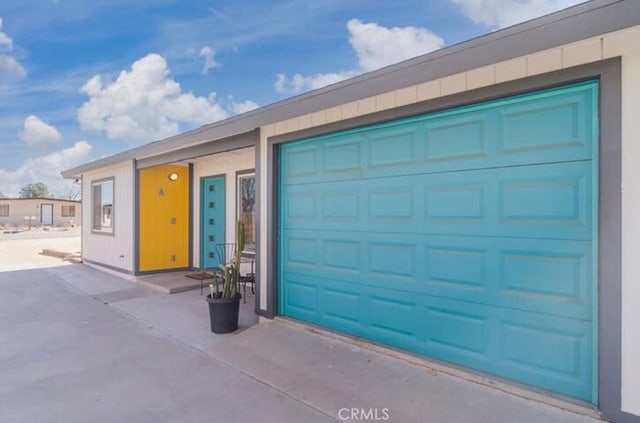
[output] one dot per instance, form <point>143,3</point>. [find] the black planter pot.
<point>223,313</point>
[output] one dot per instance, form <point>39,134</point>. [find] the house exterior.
<point>464,205</point>
<point>15,212</point>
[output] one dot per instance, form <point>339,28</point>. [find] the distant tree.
<point>2,195</point>
<point>36,190</point>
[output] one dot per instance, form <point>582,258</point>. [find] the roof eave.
<point>569,25</point>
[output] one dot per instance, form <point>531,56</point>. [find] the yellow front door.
<point>163,218</point>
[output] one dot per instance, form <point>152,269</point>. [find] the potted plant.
<point>224,305</point>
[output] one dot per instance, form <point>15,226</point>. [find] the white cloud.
<point>504,13</point>
<point>241,107</point>
<point>40,134</point>
<point>207,53</point>
<point>5,41</point>
<point>144,104</point>
<point>44,169</point>
<point>375,46</point>
<point>9,65</point>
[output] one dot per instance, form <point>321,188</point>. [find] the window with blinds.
<point>68,210</point>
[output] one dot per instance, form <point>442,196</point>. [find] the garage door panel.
<point>547,352</point>
<point>392,260</point>
<point>454,266</point>
<point>536,201</point>
<point>547,276</point>
<point>301,297</point>
<point>563,346</point>
<point>301,252</point>
<point>551,277</point>
<point>341,205</point>
<point>321,299</point>
<point>559,277</point>
<point>549,127</point>
<point>457,138</point>
<point>342,255</point>
<point>541,350</point>
<point>393,148</point>
<point>456,331</point>
<point>301,207</point>
<point>391,203</point>
<point>392,314</point>
<point>538,125</point>
<point>342,158</point>
<point>302,162</point>
<point>556,195</point>
<point>342,304</point>
<point>466,235</point>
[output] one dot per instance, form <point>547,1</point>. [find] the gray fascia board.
<point>573,24</point>
<point>204,149</point>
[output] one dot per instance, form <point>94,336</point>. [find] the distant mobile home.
<point>38,212</point>
<point>464,205</point>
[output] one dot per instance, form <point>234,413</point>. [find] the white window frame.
<point>240,175</point>
<point>103,213</point>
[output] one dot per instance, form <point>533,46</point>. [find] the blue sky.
<point>80,80</point>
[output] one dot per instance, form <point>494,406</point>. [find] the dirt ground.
<point>22,250</point>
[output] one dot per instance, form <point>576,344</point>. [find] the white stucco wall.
<point>624,44</point>
<point>228,164</point>
<point>627,44</point>
<point>115,249</point>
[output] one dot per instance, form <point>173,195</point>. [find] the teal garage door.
<point>466,235</point>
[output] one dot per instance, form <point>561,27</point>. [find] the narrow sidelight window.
<point>102,205</point>
<point>246,205</point>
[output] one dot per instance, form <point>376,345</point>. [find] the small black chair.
<point>226,254</point>
<point>249,278</point>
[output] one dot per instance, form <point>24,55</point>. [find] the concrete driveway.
<point>78,345</point>
<point>65,357</point>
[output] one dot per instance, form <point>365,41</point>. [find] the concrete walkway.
<point>77,345</point>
